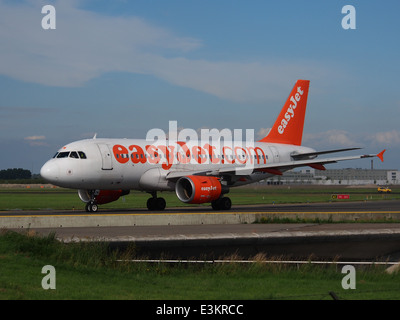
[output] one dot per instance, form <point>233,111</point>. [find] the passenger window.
<point>82,155</point>
<point>74,155</point>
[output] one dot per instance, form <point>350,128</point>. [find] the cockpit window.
<point>74,155</point>
<point>63,155</point>
<point>70,154</point>
<point>82,155</point>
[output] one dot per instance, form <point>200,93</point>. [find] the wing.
<point>274,168</point>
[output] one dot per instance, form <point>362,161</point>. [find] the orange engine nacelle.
<point>198,189</point>
<point>102,196</point>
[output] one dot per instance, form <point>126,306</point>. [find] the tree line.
<point>15,174</point>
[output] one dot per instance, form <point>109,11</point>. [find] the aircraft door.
<point>105,156</point>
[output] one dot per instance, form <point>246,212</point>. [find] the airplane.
<point>103,170</point>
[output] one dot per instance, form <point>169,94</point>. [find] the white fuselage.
<point>132,164</point>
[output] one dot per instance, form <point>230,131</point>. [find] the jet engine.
<point>198,189</point>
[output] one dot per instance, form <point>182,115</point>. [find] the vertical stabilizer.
<point>288,128</point>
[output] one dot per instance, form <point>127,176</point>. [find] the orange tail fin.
<point>288,128</point>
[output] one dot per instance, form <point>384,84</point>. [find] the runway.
<point>330,207</point>
<point>326,212</point>
<point>200,232</point>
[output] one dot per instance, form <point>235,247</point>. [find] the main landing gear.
<point>156,204</point>
<point>159,204</point>
<point>223,203</point>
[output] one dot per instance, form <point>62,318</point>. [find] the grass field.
<point>36,198</point>
<point>90,271</point>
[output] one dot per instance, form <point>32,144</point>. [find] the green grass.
<point>65,199</point>
<point>90,271</point>
<point>309,194</point>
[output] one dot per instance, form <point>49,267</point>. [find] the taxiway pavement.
<point>200,232</point>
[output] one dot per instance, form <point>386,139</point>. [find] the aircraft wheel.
<point>214,205</point>
<point>156,204</point>
<point>91,207</point>
<point>161,204</point>
<point>152,204</point>
<point>223,203</point>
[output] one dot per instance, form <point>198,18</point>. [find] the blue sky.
<point>120,68</point>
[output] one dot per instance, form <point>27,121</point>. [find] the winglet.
<point>380,154</point>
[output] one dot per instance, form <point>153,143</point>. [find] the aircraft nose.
<point>50,171</point>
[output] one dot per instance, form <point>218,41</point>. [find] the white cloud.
<point>36,141</point>
<point>330,139</point>
<point>388,138</point>
<point>237,81</point>
<point>262,133</point>
<point>82,46</point>
<point>341,138</point>
<point>35,138</point>
<point>86,45</point>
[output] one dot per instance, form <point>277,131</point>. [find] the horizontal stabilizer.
<point>309,155</point>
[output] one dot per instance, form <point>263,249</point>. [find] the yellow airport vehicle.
<point>384,190</point>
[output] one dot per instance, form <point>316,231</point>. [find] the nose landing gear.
<point>92,206</point>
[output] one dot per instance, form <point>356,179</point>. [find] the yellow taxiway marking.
<point>199,213</point>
